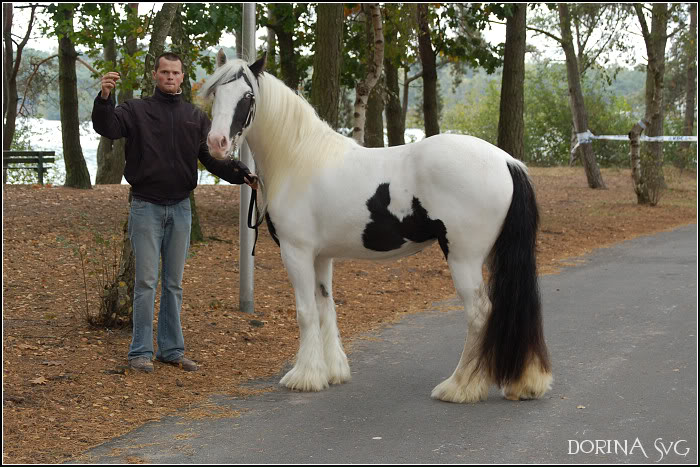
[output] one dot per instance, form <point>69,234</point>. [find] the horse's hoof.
<point>339,376</point>
<point>533,384</point>
<point>339,371</point>
<point>305,380</point>
<point>450,391</point>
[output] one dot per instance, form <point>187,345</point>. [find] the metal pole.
<point>246,260</point>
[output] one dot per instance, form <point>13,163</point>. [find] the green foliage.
<point>468,46</point>
<point>295,20</point>
<point>548,122</point>
<point>474,116</point>
<point>203,25</point>
<point>676,153</point>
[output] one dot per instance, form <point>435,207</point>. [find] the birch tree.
<point>364,87</point>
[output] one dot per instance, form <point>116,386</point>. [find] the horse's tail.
<point>512,336</point>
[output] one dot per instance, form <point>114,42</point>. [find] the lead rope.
<point>258,222</point>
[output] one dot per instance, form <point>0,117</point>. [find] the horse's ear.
<point>259,65</point>
<point>220,58</point>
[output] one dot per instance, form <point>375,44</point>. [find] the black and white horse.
<point>328,197</point>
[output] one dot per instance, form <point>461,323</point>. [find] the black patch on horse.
<point>324,292</point>
<point>386,232</point>
<point>242,114</point>
<point>271,229</point>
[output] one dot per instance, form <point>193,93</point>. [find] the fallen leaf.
<point>52,363</point>
<point>580,406</point>
<point>39,380</point>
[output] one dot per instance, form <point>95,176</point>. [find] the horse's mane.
<point>291,140</point>
<point>296,141</point>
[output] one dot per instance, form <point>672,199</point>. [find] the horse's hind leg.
<point>336,360</point>
<point>468,383</point>
<point>309,372</point>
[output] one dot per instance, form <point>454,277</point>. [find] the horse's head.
<point>234,87</point>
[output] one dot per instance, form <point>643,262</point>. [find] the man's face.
<point>169,76</point>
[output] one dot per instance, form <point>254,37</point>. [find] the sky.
<point>495,33</point>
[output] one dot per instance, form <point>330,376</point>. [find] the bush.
<point>548,120</point>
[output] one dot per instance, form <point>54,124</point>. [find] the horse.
<point>328,197</point>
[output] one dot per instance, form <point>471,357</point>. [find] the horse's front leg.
<point>310,372</point>
<point>336,360</point>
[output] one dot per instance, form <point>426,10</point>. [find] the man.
<point>165,136</point>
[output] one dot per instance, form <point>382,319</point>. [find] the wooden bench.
<point>17,160</point>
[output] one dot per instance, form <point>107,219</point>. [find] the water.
<point>45,135</point>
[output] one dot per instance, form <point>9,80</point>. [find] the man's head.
<point>168,73</point>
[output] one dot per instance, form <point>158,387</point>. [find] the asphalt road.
<point>622,331</point>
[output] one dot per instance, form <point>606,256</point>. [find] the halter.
<point>251,109</point>
<point>254,195</point>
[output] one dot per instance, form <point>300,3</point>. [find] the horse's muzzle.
<point>219,145</point>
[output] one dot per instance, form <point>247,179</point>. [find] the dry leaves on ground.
<point>66,386</point>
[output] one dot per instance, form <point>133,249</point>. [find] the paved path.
<point>622,331</point>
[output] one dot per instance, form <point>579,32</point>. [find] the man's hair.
<point>169,56</point>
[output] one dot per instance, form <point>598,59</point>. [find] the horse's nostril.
<point>222,142</point>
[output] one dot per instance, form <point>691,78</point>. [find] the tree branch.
<point>88,66</point>
<point>439,64</point>
<point>20,46</point>
<point>546,33</point>
<point>408,80</point>
<point>29,81</point>
<point>643,24</point>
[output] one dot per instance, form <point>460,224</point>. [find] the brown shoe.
<point>141,364</point>
<point>184,363</point>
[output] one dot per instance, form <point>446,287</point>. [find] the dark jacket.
<point>165,135</point>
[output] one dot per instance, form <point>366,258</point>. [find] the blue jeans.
<point>158,232</point>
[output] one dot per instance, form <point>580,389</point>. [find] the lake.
<point>46,136</point>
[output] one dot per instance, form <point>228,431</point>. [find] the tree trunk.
<point>652,152</point>
<point>427,58</point>
<point>635,162</point>
<point>161,29</point>
<point>325,81</point>
<point>271,59</point>
<point>181,44</point>
<point>7,54</point>
<point>511,125</point>
<point>691,70</point>
<point>77,175</point>
<point>578,108</point>
<point>111,156</point>
<point>117,300</point>
<point>10,97</point>
<point>289,68</point>
<point>374,70</point>
<point>10,68</point>
<point>374,120</point>
<point>110,153</point>
<point>395,122</point>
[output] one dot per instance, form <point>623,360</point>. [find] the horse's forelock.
<point>222,74</point>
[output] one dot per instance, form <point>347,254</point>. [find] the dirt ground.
<point>65,385</point>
